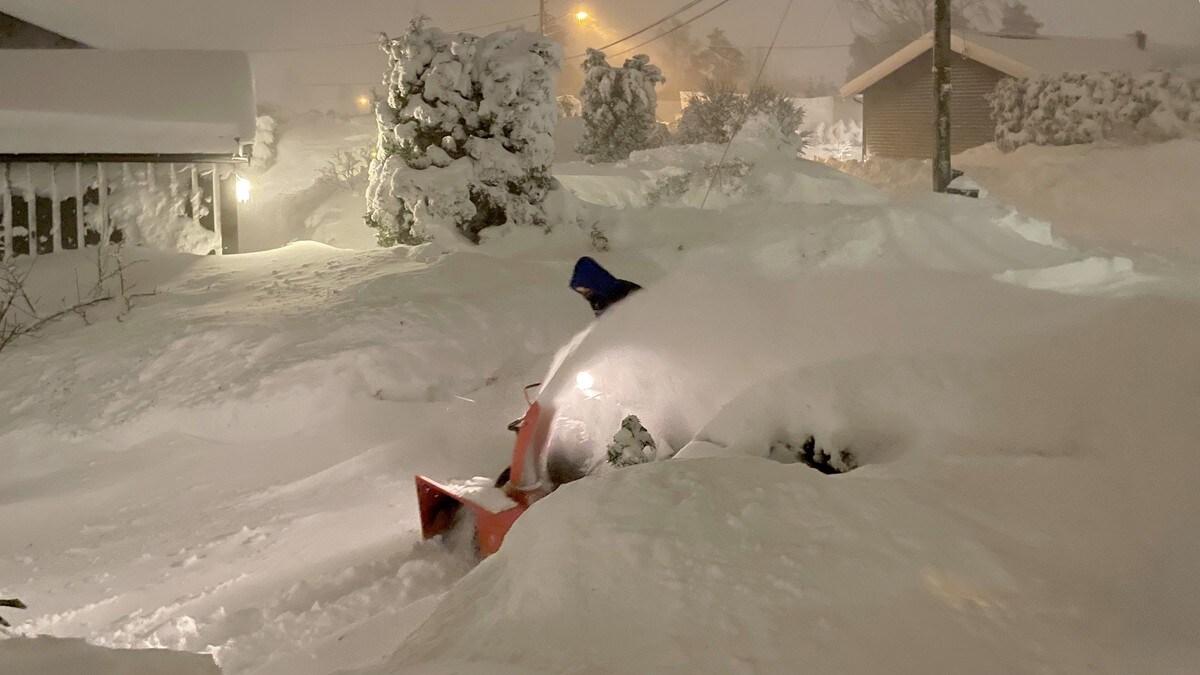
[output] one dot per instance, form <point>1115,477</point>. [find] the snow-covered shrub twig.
<point>19,313</point>
<point>673,186</point>
<point>13,603</point>
<point>348,169</point>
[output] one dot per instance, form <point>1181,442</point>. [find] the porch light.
<point>242,190</point>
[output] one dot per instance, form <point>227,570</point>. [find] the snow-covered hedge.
<point>465,134</point>
<point>1084,107</point>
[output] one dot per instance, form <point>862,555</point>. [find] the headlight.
<point>585,381</point>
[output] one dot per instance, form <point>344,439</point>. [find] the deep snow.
<point>228,467</point>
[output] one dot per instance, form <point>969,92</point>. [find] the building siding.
<point>18,34</point>
<point>898,111</point>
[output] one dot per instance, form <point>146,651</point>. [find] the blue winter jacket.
<point>603,289</point>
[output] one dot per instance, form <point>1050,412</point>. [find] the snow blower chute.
<point>494,505</point>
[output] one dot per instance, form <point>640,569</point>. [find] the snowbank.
<point>986,530</point>
<point>228,467</point>
<point>55,656</point>
<point>679,175</point>
<point>1118,196</point>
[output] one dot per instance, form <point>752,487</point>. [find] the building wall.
<point>898,111</point>
<point>18,34</point>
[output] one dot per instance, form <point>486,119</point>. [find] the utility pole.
<point>542,17</point>
<point>942,173</point>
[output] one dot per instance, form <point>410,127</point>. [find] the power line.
<point>672,29</point>
<point>498,23</point>
<point>677,12</point>
<point>372,43</point>
<point>660,35</point>
<point>746,112</point>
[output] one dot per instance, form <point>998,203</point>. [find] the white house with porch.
<point>142,147</point>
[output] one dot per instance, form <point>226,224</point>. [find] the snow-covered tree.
<point>619,106</point>
<point>720,59</point>
<point>712,115</point>
<point>1016,20</point>
<point>716,114</point>
<point>465,134</point>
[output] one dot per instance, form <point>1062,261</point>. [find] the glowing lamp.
<point>241,188</point>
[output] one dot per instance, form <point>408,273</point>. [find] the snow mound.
<point>938,555</point>
<point>1119,196</point>
<point>679,175</point>
<point>58,656</point>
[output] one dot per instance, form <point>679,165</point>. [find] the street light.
<point>581,15</point>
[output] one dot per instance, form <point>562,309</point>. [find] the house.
<point>898,98</point>
<point>141,147</point>
<point>17,33</point>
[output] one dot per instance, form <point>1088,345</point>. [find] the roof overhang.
<point>958,44</point>
<point>136,103</point>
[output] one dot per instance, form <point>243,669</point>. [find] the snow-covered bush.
<point>347,169</point>
<point>1085,107</point>
<point>632,444</point>
<point>840,141</point>
<point>262,156</point>
<point>465,134</point>
<point>569,106</point>
<point>619,107</point>
<point>718,112</point>
<point>807,452</point>
<point>673,186</point>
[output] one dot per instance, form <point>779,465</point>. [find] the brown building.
<point>20,34</point>
<point>898,99</point>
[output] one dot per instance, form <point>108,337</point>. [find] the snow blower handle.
<point>528,400</point>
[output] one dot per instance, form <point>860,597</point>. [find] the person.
<point>600,288</point>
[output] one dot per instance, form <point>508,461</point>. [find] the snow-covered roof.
<point>1020,56</point>
<point>91,101</point>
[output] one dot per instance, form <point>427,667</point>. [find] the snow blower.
<point>494,506</point>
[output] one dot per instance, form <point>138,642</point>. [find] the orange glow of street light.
<point>581,16</point>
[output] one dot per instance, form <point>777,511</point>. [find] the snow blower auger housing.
<point>495,505</point>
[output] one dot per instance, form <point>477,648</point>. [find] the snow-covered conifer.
<point>619,106</point>
<point>721,59</point>
<point>1015,19</point>
<point>465,134</point>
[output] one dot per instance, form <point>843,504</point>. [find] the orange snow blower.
<point>495,509</point>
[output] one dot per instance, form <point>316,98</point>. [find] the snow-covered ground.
<point>227,468</point>
<point>290,201</point>
<point>1107,194</point>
